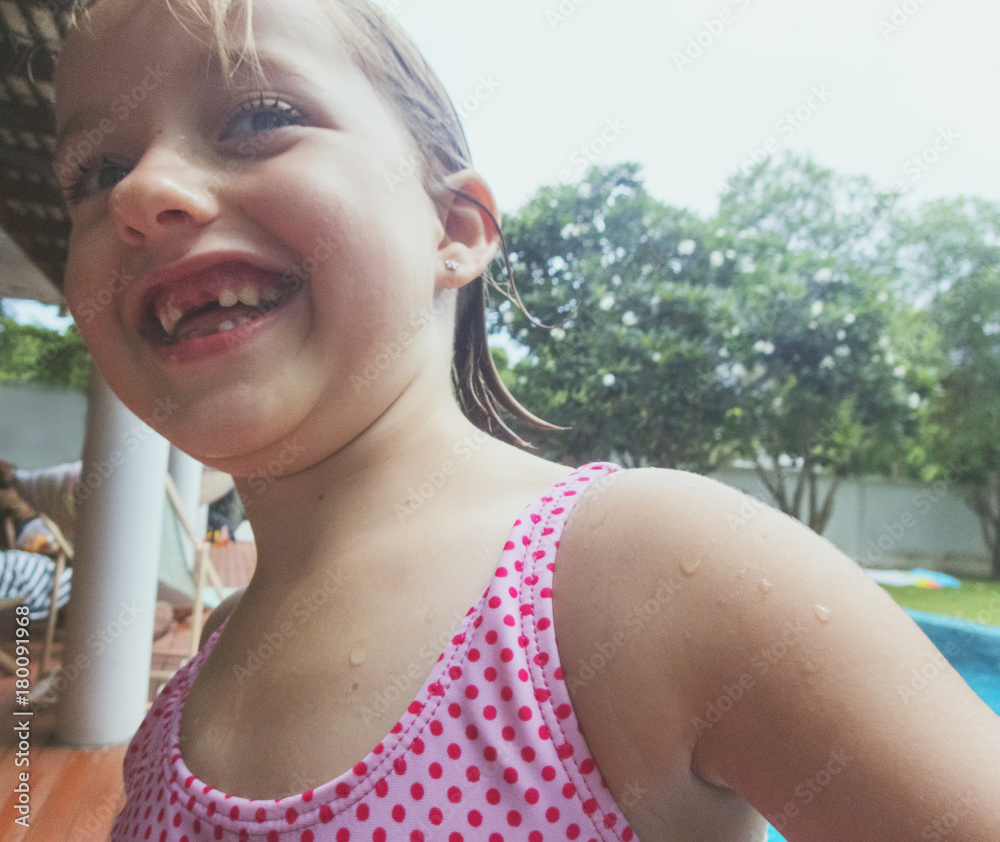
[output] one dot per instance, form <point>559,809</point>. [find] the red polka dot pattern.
<point>490,748</point>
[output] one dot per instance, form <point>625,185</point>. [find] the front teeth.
<point>249,295</point>
<point>169,318</point>
<point>169,314</point>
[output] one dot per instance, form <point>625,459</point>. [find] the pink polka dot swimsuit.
<point>490,748</point>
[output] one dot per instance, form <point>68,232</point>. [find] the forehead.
<point>126,36</point>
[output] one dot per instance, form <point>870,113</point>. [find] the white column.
<point>186,473</point>
<point>109,635</point>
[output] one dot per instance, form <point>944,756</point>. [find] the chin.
<point>253,451</point>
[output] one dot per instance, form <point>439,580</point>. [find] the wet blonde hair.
<point>401,76</point>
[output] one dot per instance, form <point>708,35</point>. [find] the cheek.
<point>368,251</point>
<point>93,288</point>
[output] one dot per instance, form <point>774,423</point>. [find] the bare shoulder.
<point>773,661</point>
<point>219,615</point>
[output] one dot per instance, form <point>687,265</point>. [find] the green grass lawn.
<point>975,600</point>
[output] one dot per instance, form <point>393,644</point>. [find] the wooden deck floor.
<point>75,795</point>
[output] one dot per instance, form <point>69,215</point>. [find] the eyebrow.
<point>80,122</point>
<point>244,78</point>
<point>74,125</point>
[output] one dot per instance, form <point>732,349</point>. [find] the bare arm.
<point>798,675</point>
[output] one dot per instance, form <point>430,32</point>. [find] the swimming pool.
<point>973,649</point>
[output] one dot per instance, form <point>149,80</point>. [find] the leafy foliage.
<point>828,378</point>
<point>770,332</point>
<point>631,363</point>
<point>960,244</point>
<point>31,354</point>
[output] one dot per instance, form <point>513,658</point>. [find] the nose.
<point>162,196</point>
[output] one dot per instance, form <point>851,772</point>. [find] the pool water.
<point>973,649</point>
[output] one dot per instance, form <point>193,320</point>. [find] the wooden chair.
<point>62,555</point>
<point>203,576</point>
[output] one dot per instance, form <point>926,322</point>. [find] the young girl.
<point>410,660</point>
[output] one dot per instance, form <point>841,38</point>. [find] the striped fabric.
<point>30,575</point>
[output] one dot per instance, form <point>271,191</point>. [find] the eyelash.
<point>76,191</point>
<point>260,105</point>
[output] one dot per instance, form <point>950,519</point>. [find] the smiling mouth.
<point>220,299</point>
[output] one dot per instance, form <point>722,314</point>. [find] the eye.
<point>93,177</point>
<point>260,114</point>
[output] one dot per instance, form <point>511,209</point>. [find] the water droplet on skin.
<point>765,586</point>
<point>358,656</point>
<point>823,614</point>
<point>690,566</point>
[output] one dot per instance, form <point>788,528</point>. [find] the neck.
<point>401,472</point>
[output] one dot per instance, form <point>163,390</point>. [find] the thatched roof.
<point>31,206</point>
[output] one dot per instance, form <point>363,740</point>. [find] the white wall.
<point>876,521</point>
<point>899,523</point>
<point>41,426</point>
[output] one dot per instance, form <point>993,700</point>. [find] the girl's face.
<point>298,201</point>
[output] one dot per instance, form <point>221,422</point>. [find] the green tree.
<point>32,354</point>
<point>502,362</point>
<point>631,366</point>
<point>825,358</point>
<point>952,249</point>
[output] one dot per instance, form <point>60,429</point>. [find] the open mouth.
<point>219,299</point>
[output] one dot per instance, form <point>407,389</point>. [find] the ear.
<point>470,236</point>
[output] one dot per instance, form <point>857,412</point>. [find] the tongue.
<point>200,324</point>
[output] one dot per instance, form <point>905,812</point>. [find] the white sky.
<point>561,80</point>
<point>558,70</point>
